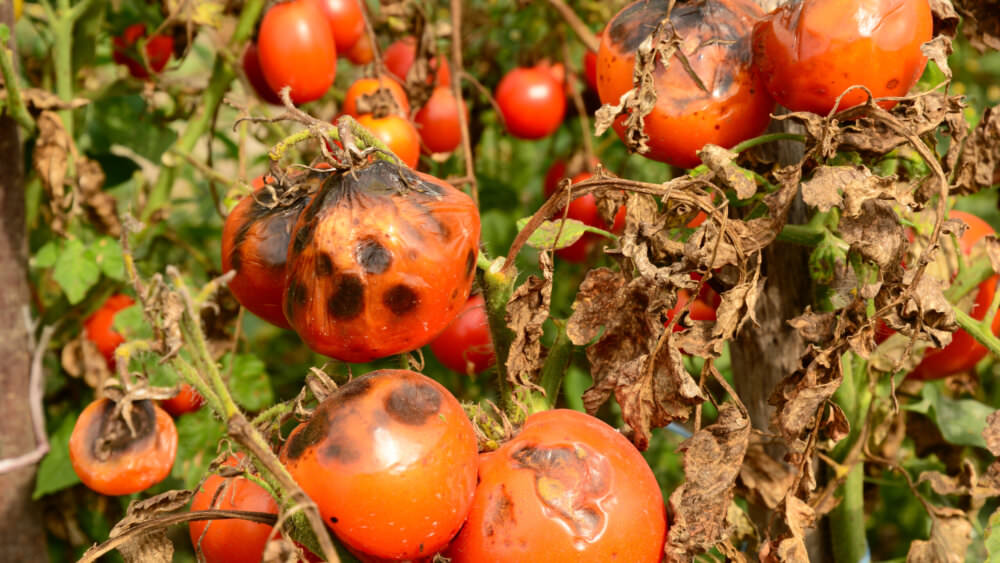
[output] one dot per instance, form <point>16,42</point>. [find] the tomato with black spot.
<point>98,327</point>
<point>390,459</point>
<point>733,105</point>
<point>567,488</point>
<point>112,459</point>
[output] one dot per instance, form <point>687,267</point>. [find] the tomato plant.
<point>399,57</point>
<point>810,51</point>
<point>465,345</point>
<point>159,48</point>
<point>390,459</point>
<point>437,121</point>
<point>255,76</point>
<point>584,209</point>
<point>397,133</point>
<point>347,21</point>
<point>532,102</point>
<point>187,400</point>
<point>98,329</point>
<point>367,89</point>
<point>297,49</point>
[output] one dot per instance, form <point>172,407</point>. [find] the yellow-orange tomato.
<point>367,87</point>
<point>397,133</point>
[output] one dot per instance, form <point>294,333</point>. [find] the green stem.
<point>15,102</point>
<point>191,376</point>
<point>978,330</point>
<point>498,286</point>
<point>969,279</point>
<point>554,368</point>
<point>847,520</point>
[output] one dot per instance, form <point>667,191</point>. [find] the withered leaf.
<point>966,483</point>
<point>151,546</point>
<point>979,162</point>
<point>52,154</point>
<point>951,534</point>
<point>945,17</point>
<point>928,304</point>
<point>992,433</point>
<point>595,298</point>
<point>527,311</point>
<point>799,396</point>
<point>766,480</point>
<point>938,50</point>
<point>720,162</point>
<point>81,358</point>
<point>980,24</point>
<point>876,234</point>
<point>815,328</point>
<point>849,187</point>
<point>38,100</point>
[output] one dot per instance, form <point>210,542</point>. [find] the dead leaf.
<point>38,100</point>
<point>980,23</point>
<point>52,154</point>
<point>81,358</point>
<point>720,162</point>
<point>979,162</point>
<point>877,235</point>
<point>992,433</point>
<point>951,534</point>
<point>151,546</point>
<point>766,480</point>
<point>815,328</point>
<point>798,397</point>
<point>527,311</point>
<point>938,50</point>
<point>849,187</point>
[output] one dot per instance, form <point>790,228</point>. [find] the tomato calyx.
<point>122,425</point>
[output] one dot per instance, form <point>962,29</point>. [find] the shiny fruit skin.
<point>584,209</point>
<point>532,102</point>
<point>399,57</point>
<point>567,486</point>
<point>390,459</point>
<point>465,346</point>
<point>187,400</point>
<point>159,48</point>
<point>347,21</point>
<point>297,49</point>
<point>380,262</point>
<point>397,133</point>
<point>125,464</point>
<point>964,352</point>
<point>231,540</point>
<point>808,52</point>
<point>367,87</point>
<point>361,53</point>
<point>98,329</point>
<point>255,76</point>
<point>685,118</point>
<point>438,121</point>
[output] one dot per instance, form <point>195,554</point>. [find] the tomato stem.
<point>555,364</point>
<point>969,278</point>
<point>498,286</point>
<point>847,520</point>
<point>15,102</point>
<point>978,330</point>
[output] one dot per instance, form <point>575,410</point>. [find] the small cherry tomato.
<point>399,57</point>
<point>110,460</point>
<point>732,107</point>
<point>390,460</point>
<point>297,49</point>
<point>567,486</point>
<point>810,51</point>
<point>159,48</point>
<point>361,53</point>
<point>366,88</point>
<point>584,209</point>
<point>187,400</point>
<point>347,21</point>
<point>438,121</point>
<point>532,102</point>
<point>465,346</point>
<point>703,308</point>
<point>251,67</point>
<point>397,133</point>
<point>98,329</point>
<point>590,66</point>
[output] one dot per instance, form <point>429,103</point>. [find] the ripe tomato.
<point>231,540</point>
<point>110,460</point>
<point>703,308</point>
<point>397,133</point>
<point>347,21</point>
<point>465,346</point>
<point>187,400</point>
<point>584,209</point>
<point>251,67</point>
<point>390,459</point>
<point>590,69</point>
<point>255,244</point>
<point>98,329</point>
<point>567,486</point>
<point>361,53</point>
<point>964,352</point>
<point>532,102</point>
<point>367,87</point>
<point>717,44</point>
<point>381,261</point>
<point>810,51</point>
<point>296,48</point>
<point>438,121</point>
<point>159,48</point>
<point>399,57</point>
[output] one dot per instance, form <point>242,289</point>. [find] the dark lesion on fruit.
<point>635,23</point>
<point>499,513</point>
<point>413,403</point>
<point>401,299</point>
<point>348,298</point>
<point>303,236</point>
<point>296,296</point>
<point>470,262</point>
<point>324,265</point>
<point>372,256</point>
<point>113,437</point>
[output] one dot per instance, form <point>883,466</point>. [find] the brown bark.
<point>22,537</point>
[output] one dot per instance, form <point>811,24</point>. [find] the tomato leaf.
<point>544,236</point>
<point>961,421</point>
<point>130,323</point>
<point>55,471</point>
<point>109,257</point>
<point>248,381</point>
<point>47,255</point>
<point>126,120</point>
<point>993,538</point>
<point>197,435</point>
<point>76,270</point>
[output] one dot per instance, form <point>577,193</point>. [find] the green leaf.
<point>961,421</point>
<point>993,538</point>
<point>56,472</point>
<point>126,120</point>
<point>130,323</point>
<point>544,236</point>
<point>47,255</point>
<point>109,257</point>
<point>76,270</point>
<point>198,434</point>
<point>248,382</point>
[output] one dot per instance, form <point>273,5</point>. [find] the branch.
<point>576,24</point>
<point>456,86</point>
<point>36,393</point>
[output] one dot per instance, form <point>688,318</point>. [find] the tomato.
<point>465,346</point>
<point>532,102</point>
<point>255,244</point>
<point>361,53</point>
<point>556,70</point>
<point>562,168</point>
<point>567,488</point>
<point>397,133</point>
<point>110,460</point>
<point>716,41</point>
<point>390,459</point>
<point>297,49</point>
<point>366,88</point>
<point>590,69</point>
<point>347,21</point>
<point>810,51</point>
<point>584,209</point>
<point>251,67</point>
<point>187,400</point>
<point>399,57</point>
<point>964,352</point>
<point>703,308</point>
<point>98,329</point>
<point>438,120</point>
<point>381,261</point>
<point>159,48</point>
<point>231,540</point>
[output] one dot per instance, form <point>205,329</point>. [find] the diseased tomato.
<point>251,67</point>
<point>187,400</point>
<point>532,102</point>
<point>584,209</point>
<point>297,49</point>
<point>159,48</point>
<point>465,346</point>
<point>438,121</point>
<point>380,262</point>
<point>397,133</point>
<point>366,88</point>
<point>399,57</point>
<point>567,486</point>
<point>109,459</point>
<point>964,352</point>
<point>716,41</point>
<point>361,53</point>
<point>390,460</point>
<point>347,21</point>
<point>98,325</point>
<point>810,51</point>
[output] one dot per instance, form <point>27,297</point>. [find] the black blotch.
<point>295,296</point>
<point>334,520</point>
<point>432,221</point>
<point>324,264</point>
<point>303,236</point>
<point>400,299</point>
<point>340,449</point>
<point>311,434</point>
<point>324,419</point>
<point>121,439</point>
<point>470,263</point>
<point>413,403</point>
<point>372,256</point>
<point>235,259</point>
<point>347,301</point>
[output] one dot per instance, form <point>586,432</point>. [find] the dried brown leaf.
<point>81,358</point>
<point>720,162</point>
<point>992,433</point>
<point>596,296</point>
<point>981,23</point>
<point>849,187</point>
<point>938,50</point>
<point>766,480</point>
<point>151,546</point>
<point>38,100</point>
<point>815,328</point>
<point>527,311</point>
<point>799,396</point>
<point>928,304</point>
<point>951,534</point>
<point>945,17</point>
<point>877,235</point>
<point>979,162</point>
<point>51,155</point>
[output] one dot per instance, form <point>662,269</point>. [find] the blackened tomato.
<point>532,102</point>
<point>465,346</point>
<point>296,49</point>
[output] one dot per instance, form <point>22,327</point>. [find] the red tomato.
<point>397,133</point>
<point>390,460</point>
<point>465,346</point>
<point>297,49</point>
<point>110,460</point>
<point>567,488</point>
<point>716,36</point>
<point>159,48</point>
<point>703,308</point>
<point>367,87</point>
<point>187,400</point>
<point>556,70</point>
<point>964,352</point>
<point>810,51</point>
<point>251,67</point>
<point>438,121</point>
<point>347,21</point>
<point>361,53</point>
<point>590,69</point>
<point>584,209</point>
<point>399,57</point>
<point>532,102</point>
<point>98,329</point>
<point>561,169</point>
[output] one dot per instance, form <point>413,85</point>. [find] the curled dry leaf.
<point>876,234</point>
<point>849,187</point>
<point>951,534</point>
<point>992,433</point>
<point>979,163</point>
<point>526,313</point>
<point>51,157</point>
<point>815,328</point>
<point>39,100</point>
<point>938,50</point>
<point>798,397</point>
<point>764,480</point>
<point>101,207</point>
<point>966,483</point>
<point>81,358</point>
<point>720,162</point>
<point>151,546</point>
<point>980,23</point>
